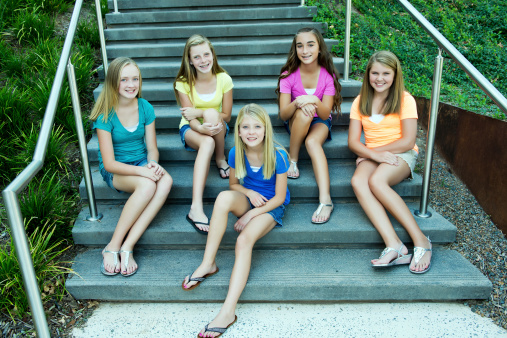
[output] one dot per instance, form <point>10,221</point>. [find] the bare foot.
<point>390,256</point>
<point>324,214</point>
<point>220,321</point>
<point>110,258</point>
<point>201,271</point>
<point>128,265</point>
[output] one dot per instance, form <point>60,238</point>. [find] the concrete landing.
<point>291,275</point>
<point>273,320</point>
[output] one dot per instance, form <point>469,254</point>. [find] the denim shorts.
<point>108,177</point>
<point>186,127</point>
<point>315,120</point>
<point>276,213</point>
<point>410,157</point>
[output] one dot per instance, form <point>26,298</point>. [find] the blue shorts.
<point>108,177</point>
<point>315,120</point>
<point>276,213</point>
<point>186,127</point>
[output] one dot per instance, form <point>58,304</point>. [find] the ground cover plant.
<point>32,33</point>
<point>477,29</point>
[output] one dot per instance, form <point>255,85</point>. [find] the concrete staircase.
<point>299,262</point>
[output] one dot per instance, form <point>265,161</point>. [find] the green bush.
<point>31,25</point>
<point>477,30</point>
<point>50,273</point>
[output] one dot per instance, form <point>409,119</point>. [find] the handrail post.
<point>346,55</point>
<point>101,36</point>
<point>302,3</point>
<point>115,5</point>
<point>94,216</point>
<point>25,261</point>
<point>430,139</point>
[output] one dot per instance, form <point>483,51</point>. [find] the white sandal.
<point>418,254</point>
<point>319,209</point>
<point>296,170</point>
<point>400,259</point>
<point>102,267</point>
<point>127,263</point>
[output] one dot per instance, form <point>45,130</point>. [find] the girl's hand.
<point>359,160</point>
<point>306,99</point>
<point>149,173</point>
<point>256,199</point>
<point>243,221</point>
<point>210,129</point>
<point>309,109</point>
<point>190,113</point>
<point>156,167</point>
<point>385,157</point>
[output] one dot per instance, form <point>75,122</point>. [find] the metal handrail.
<point>476,76</point>
<point>10,193</point>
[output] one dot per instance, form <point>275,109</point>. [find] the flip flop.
<point>196,227</point>
<point>296,171</point>
<point>319,209</point>
<point>127,263</point>
<point>220,330</point>
<point>225,173</point>
<point>199,280</point>
<point>102,267</point>
<point>418,254</point>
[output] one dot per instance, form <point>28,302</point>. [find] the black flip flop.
<point>196,227</point>
<point>225,173</point>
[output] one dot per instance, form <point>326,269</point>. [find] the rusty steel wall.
<point>475,146</point>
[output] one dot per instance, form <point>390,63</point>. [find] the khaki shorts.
<point>410,157</point>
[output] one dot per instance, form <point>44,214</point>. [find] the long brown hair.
<point>392,103</point>
<point>187,72</point>
<point>325,60</point>
<point>109,96</point>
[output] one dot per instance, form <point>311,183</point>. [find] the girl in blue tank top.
<point>128,161</point>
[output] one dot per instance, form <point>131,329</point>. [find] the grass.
<point>478,30</point>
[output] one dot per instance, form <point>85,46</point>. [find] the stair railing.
<point>474,74</point>
<point>11,192</point>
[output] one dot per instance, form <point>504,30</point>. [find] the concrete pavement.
<point>286,319</point>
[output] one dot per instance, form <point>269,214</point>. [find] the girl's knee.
<point>358,183</point>
<point>211,116</point>
<point>377,183</point>
<point>244,242</point>
<point>207,144</point>
<point>225,199</point>
<point>146,187</point>
<point>312,143</point>
<point>302,118</point>
<point>165,183</point>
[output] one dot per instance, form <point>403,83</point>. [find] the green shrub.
<point>31,25</point>
<point>46,199</point>
<point>87,32</point>
<point>476,29</point>
<point>49,271</point>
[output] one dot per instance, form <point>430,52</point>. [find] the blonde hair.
<point>187,72</point>
<point>325,60</point>
<point>109,96</point>
<point>392,103</point>
<point>269,157</point>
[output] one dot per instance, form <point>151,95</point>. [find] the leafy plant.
<point>31,25</point>
<point>50,272</point>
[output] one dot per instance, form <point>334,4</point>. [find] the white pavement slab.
<point>287,319</point>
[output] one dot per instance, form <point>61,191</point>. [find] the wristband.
<point>154,161</point>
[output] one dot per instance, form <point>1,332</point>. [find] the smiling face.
<point>381,78</point>
<point>201,58</point>
<point>251,132</point>
<point>307,47</point>
<point>129,82</point>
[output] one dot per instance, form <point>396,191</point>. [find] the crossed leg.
<point>372,185</point>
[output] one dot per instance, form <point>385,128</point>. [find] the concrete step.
<point>310,275</point>
<point>252,89</point>
<point>228,47</point>
<point>133,5</point>
<point>235,66</point>
<point>171,148</point>
<point>211,31</point>
<point>166,18</point>
<point>348,227</point>
<point>303,188</point>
